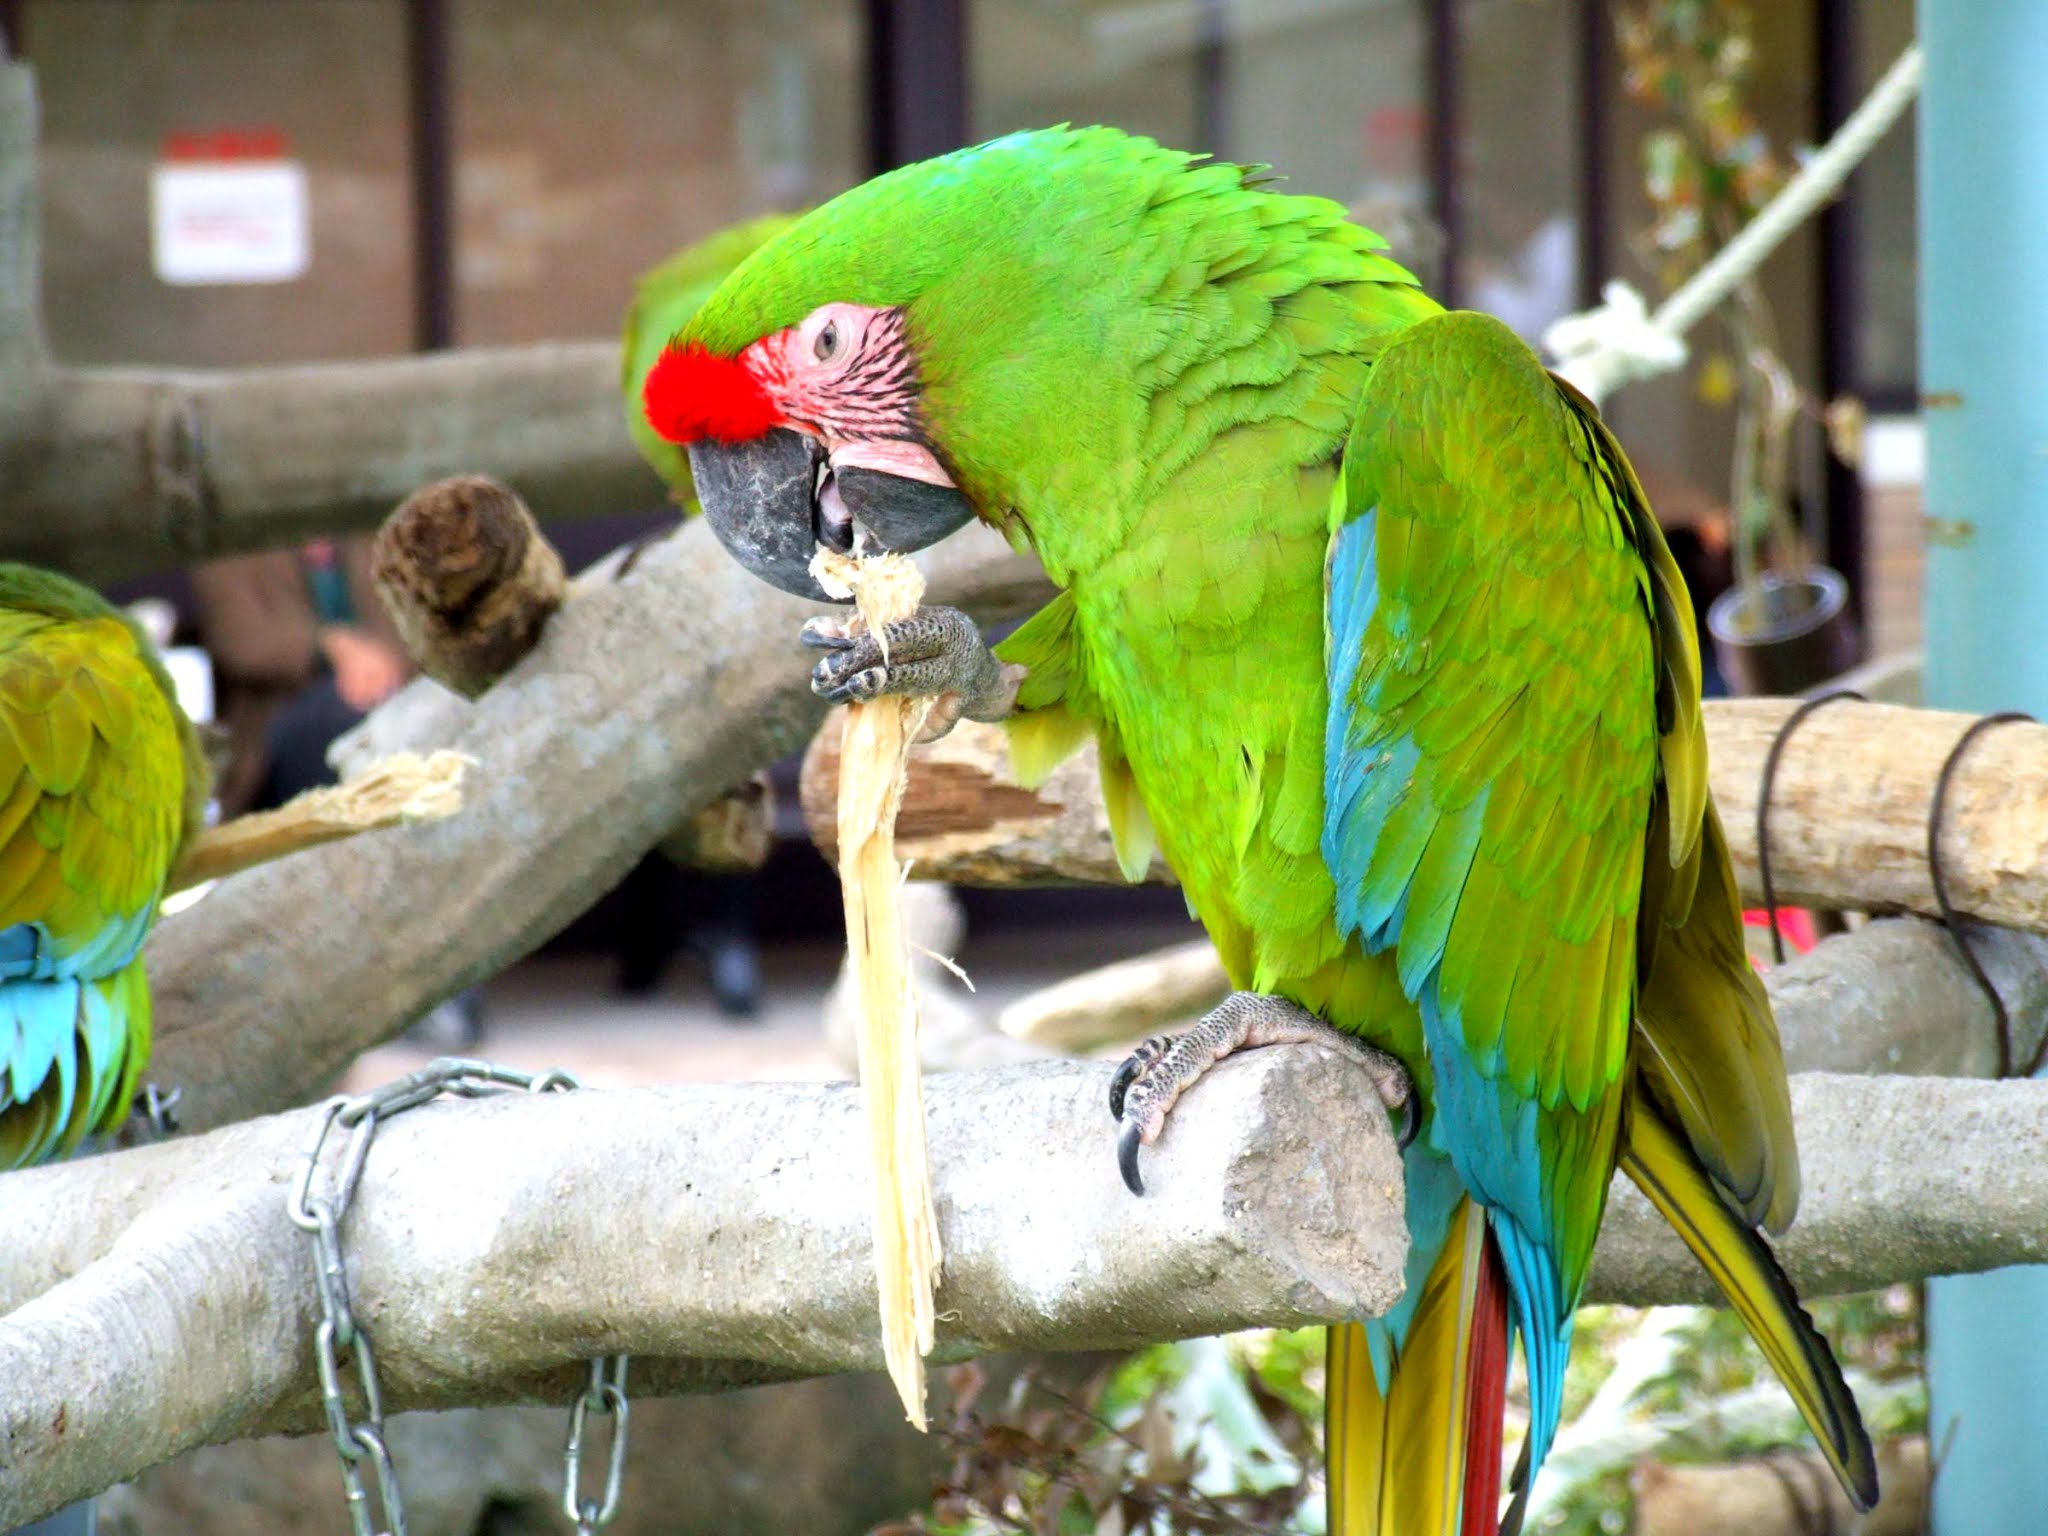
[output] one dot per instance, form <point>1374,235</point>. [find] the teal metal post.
<point>1983,190</point>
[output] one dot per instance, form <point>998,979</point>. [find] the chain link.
<point>606,1396</point>
<point>339,1339</point>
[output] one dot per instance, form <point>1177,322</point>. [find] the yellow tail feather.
<point>1397,1464</point>
<point>1665,1169</point>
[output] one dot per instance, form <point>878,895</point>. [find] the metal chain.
<point>339,1337</point>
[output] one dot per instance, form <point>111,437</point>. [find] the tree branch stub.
<point>469,579</point>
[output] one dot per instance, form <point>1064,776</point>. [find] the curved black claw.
<point>825,635</point>
<point>1127,1143</point>
<point>1407,1123</point>
<point>1120,1085</point>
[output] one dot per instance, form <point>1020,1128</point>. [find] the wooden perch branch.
<point>397,791</point>
<point>719,1234</point>
<point>1849,810</point>
<point>126,469</point>
<point>1867,1001</point>
<point>649,696</point>
<point>1121,1002</point>
<point>108,471</point>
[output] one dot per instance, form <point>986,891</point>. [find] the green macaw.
<point>1377,638</point>
<point>664,299</point>
<point>102,782</point>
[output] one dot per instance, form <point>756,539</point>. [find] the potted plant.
<point>1784,625</point>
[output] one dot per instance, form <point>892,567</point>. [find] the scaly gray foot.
<point>936,652</point>
<point>1164,1067</point>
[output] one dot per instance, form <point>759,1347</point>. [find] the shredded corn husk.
<point>871,779</point>
<point>393,791</point>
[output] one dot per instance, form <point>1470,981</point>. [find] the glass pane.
<point>1520,155</point>
<point>218,92</point>
<point>1881,195</point>
<point>1328,92</point>
<point>594,140</point>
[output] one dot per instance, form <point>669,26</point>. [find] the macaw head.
<point>812,433</point>
<point>939,343</point>
<point>1039,332</point>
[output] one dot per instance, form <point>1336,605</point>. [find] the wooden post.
<point>1983,183</point>
<point>23,360</point>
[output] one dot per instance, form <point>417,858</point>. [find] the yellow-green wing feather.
<point>93,808</point>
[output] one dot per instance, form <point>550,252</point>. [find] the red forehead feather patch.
<point>691,395</point>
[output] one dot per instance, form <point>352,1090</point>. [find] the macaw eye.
<point>826,347</point>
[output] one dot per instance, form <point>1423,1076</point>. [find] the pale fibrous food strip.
<point>872,769</point>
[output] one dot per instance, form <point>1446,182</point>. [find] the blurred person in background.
<point>302,649</point>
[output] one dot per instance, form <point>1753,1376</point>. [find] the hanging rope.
<point>1935,814</point>
<point>1622,341</point>
<point>1763,808</point>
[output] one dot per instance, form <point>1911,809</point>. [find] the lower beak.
<point>773,499</point>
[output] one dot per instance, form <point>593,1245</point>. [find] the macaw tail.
<point>1743,1266</point>
<point>71,1053</point>
<point>1422,1457</point>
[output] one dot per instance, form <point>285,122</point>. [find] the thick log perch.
<point>718,1233</point>
<point>1848,819</point>
<point>128,469</point>
<point>469,579</point>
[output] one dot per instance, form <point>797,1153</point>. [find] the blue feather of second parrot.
<point>38,1029</point>
<point>28,951</point>
<point>20,947</point>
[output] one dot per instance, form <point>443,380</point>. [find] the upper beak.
<point>772,499</point>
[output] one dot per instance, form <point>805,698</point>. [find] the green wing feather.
<point>100,784</point>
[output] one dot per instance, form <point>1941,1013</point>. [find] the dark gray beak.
<point>773,499</point>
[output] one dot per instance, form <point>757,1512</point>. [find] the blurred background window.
<point>130,87</point>
<point>1331,93</point>
<point>593,140</point>
<point>1520,160</point>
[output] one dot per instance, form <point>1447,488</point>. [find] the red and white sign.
<point>229,207</point>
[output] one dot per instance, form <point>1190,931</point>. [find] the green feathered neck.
<point>1045,274</point>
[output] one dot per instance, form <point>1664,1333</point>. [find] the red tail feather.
<point>1486,1393</point>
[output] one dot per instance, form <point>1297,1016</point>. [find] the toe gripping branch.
<point>1162,1068</point>
<point>937,652</point>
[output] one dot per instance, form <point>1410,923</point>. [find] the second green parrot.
<point>1380,644</point>
<point>102,782</point>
